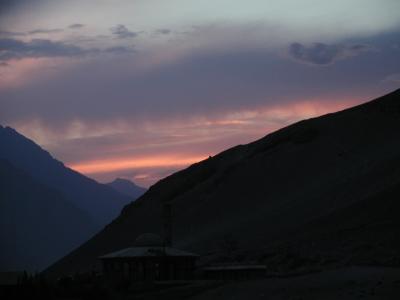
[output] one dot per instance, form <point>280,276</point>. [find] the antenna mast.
<point>167,220</point>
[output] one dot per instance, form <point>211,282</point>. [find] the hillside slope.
<point>37,224</point>
<point>298,186</point>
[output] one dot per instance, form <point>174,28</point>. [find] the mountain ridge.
<point>127,187</point>
<point>85,200</point>
<point>100,201</point>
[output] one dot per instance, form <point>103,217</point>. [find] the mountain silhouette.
<point>99,201</point>
<point>47,209</point>
<point>37,224</point>
<point>127,187</point>
<point>325,188</point>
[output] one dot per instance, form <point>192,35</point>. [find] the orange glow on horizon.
<point>106,166</point>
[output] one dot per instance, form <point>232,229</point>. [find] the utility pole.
<point>167,223</point>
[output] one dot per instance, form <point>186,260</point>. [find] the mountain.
<point>127,187</point>
<point>47,209</point>
<point>320,191</point>
<point>37,224</point>
<point>99,201</point>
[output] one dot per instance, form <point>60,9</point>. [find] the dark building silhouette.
<point>148,260</point>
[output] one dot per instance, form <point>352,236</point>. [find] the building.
<point>148,260</point>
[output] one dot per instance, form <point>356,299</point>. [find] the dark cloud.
<point>16,49</point>
<point>40,31</point>
<point>323,54</point>
<point>163,31</point>
<point>122,32</point>
<point>39,48</point>
<point>6,5</point>
<point>76,26</point>
<point>9,5</point>
<point>11,34</point>
<point>120,50</point>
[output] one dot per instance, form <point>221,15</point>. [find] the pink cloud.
<point>182,144</point>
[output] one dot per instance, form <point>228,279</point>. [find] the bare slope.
<point>37,224</point>
<point>271,190</point>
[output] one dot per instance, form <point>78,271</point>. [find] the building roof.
<point>148,252</point>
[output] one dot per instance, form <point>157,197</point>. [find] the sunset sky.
<point>142,88</point>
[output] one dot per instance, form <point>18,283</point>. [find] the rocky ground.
<point>347,283</point>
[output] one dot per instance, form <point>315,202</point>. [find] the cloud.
<point>119,50</point>
<point>6,5</point>
<point>144,151</point>
<point>13,34</point>
<point>12,49</point>
<point>17,49</point>
<point>197,85</point>
<point>222,85</point>
<point>164,31</point>
<point>76,26</point>
<point>122,32</point>
<point>392,78</point>
<point>165,84</point>
<point>8,34</point>
<point>40,31</point>
<point>321,54</point>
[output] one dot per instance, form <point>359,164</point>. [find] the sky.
<point>139,89</point>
